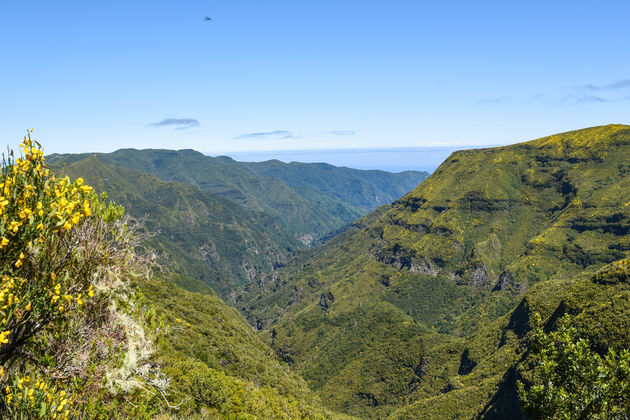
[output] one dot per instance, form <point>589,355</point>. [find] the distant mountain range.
<point>220,221</point>
<point>309,200</point>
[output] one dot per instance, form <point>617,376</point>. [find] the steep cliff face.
<point>427,289</point>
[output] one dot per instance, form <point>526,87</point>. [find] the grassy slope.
<point>422,306</point>
<point>201,235</point>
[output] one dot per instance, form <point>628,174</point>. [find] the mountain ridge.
<point>456,254</point>
<point>309,213</point>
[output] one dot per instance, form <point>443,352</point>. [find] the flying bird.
<point>207,18</point>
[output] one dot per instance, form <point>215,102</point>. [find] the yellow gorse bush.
<point>36,288</point>
<point>37,398</point>
<point>35,208</point>
<point>75,338</point>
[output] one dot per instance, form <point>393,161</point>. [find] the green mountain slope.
<point>306,211</point>
<point>200,235</point>
<point>365,190</point>
<point>218,367</point>
<point>423,306</point>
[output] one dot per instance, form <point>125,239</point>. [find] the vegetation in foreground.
<point>571,380</point>
<point>79,339</point>
<point>76,341</point>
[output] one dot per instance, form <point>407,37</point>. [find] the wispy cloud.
<point>620,84</point>
<point>277,134</point>
<point>492,101</point>
<point>342,132</point>
<point>177,123</point>
<point>591,99</point>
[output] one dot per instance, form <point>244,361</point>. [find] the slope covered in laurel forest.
<point>323,200</point>
<point>423,308</point>
<point>199,235</point>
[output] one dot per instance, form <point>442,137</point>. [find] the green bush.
<point>572,381</point>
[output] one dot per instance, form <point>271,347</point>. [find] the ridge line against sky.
<point>309,75</point>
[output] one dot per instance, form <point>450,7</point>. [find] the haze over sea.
<point>391,160</point>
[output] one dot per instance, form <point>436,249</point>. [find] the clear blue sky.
<point>284,75</point>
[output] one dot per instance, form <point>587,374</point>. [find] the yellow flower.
<point>28,308</point>
<point>3,337</point>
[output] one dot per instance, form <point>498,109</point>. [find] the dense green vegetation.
<point>500,282</point>
<point>200,235</point>
<point>89,333</point>
<point>449,277</point>
<point>321,200</point>
<point>572,380</point>
<point>218,366</point>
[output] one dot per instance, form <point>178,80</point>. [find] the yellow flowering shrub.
<point>71,329</point>
<point>37,398</point>
<point>37,210</point>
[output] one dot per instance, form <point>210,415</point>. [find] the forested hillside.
<point>322,200</point>
<point>424,306</point>
<point>199,235</point>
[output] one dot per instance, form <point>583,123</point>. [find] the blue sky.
<point>308,75</point>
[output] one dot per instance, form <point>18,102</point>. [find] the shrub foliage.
<point>574,382</point>
<point>74,339</point>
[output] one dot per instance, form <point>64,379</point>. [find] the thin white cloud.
<point>177,123</point>
<point>277,134</point>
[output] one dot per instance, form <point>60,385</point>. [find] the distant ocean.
<point>391,160</point>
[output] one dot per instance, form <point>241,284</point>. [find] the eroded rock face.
<point>508,282</point>
<point>479,276</point>
<point>402,258</point>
